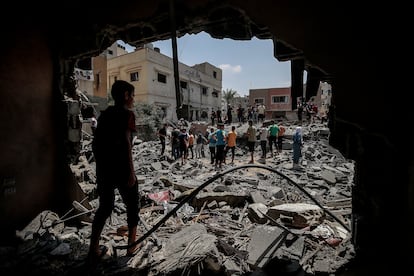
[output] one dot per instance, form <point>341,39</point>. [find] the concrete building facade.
<point>323,98</point>
<point>276,100</point>
<point>152,75</point>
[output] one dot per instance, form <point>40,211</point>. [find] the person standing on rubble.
<point>212,145</point>
<point>162,134</point>
<point>297,147</point>
<point>231,143</point>
<point>280,136</point>
<point>273,136</point>
<point>175,144</point>
<point>191,139</point>
<point>220,135</point>
<point>251,135</point>
<point>112,147</point>
<point>264,136</point>
<point>183,145</point>
<point>94,124</point>
<point>200,141</point>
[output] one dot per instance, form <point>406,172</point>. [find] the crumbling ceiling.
<point>137,26</point>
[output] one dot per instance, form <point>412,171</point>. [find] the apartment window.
<point>183,84</point>
<point>162,78</point>
<point>204,91</point>
<point>259,100</point>
<point>134,76</point>
<point>279,99</point>
<point>110,52</point>
<point>215,74</point>
<point>215,93</point>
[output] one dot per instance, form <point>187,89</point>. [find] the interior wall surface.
<point>28,141</point>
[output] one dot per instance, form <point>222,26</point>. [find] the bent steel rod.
<point>212,179</point>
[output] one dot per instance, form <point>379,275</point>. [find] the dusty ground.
<point>226,214</point>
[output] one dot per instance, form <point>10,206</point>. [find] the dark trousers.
<point>272,141</point>
<point>263,144</point>
<point>212,154</point>
<point>279,143</point>
<point>162,140</point>
<point>219,154</point>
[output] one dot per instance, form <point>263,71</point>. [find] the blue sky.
<point>246,64</point>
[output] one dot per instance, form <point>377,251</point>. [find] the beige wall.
<point>148,63</point>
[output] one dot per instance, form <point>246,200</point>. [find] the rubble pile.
<point>247,219</point>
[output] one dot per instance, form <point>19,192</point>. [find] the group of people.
<point>112,149</point>
<point>312,112</point>
<point>182,143</point>
<point>256,113</point>
<point>268,136</point>
<point>220,142</point>
<point>216,116</point>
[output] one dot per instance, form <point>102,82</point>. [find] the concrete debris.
<point>246,219</point>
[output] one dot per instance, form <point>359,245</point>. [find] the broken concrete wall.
<point>29,165</point>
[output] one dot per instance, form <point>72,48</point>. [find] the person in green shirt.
<point>273,133</point>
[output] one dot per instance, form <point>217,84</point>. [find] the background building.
<point>323,98</point>
<point>152,75</point>
<point>278,101</point>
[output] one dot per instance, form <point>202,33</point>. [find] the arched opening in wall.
<point>327,39</point>
<point>245,74</point>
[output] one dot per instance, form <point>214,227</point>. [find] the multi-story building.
<point>152,75</point>
<point>276,100</point>
<point>323,98</point>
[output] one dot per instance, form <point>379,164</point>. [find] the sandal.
<point>93,259</point>
<point>132,252</point>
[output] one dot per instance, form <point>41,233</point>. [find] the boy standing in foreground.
<point>112,148</point>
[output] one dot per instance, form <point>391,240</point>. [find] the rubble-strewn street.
<point>249,219</point>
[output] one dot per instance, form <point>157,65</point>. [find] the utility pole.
<point>296,69</point>
<point>175,59</point>
<point>188,104</point>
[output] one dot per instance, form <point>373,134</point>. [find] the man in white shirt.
<point>264,135</point>
<point>261,109</point>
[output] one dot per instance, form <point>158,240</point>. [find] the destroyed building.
<point>197,219</point>
<point>332,42</point>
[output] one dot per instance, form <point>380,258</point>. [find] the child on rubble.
<point>112,148</point>
<point>200,141</point>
